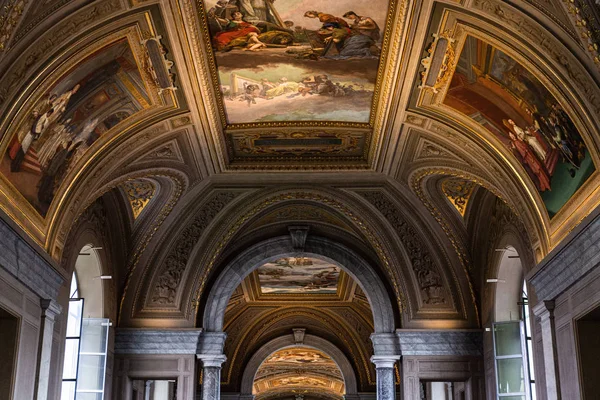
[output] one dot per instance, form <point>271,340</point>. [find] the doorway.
<point>9,332</point>
<point>588,339</point>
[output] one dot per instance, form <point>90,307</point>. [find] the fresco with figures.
<point>299,275</point>
<point>299,360</point>
<point>84,104</point>
<point>297,60</point>
<point>503,96</point>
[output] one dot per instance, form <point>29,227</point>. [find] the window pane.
<point>510,375</point>
<point>74,292</point>
<point>74,318</point>
<point>530,360</point>
<point>89,396</point>
<point>508,339</point>
<point>68,391</point>
<point>91,373</point>
<point>94,335</point>
<point>71,355</point>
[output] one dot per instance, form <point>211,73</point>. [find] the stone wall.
<point>29,286</point>
<point>567,285</point>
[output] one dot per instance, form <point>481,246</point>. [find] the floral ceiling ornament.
<point>139,193</point>
<point>458,192</point>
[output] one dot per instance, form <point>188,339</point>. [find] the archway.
<point>298,244</point>
<point>280,247</point>
<point>86,343</point>
<point>512,329</point>
<point>289,341</point>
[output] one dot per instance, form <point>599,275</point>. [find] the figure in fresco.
<point>325,18</point>
<point>256,11</point>
<point>282,88</point>
<point>254,41</point>
<point>535,144</point>
<point>364,25</point>
<point>348,44</point>
<point>529,159</point>
<point>234,29</point>
<point>47,150</point>
<point>39,126</point>
<point>266,85</point>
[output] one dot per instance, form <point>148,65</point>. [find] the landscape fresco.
<point>502,95</point>
<point>297,60</point>
<point>93,97</point>
<point>298,275</point>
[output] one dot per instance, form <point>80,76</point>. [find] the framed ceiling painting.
<point>93,96</point>
<point>296,63</point>
<point>476,81</point>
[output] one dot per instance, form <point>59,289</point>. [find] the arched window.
<point>73,341</point>
<point>84,367</point>
<point>512,331</point>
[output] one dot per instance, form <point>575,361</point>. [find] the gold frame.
<point>554,229</point>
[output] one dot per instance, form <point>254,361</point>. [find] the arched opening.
<point>322,358</point>
<point>86,342</point>
<point>315,247</point>
<point>512,336</point>
<point>329,296</point>
<point>298,371</point>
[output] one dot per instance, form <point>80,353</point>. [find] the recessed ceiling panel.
<point>299,275</point>
<point>297,60</point>
<point>505,97</point>
<point>94,96</point>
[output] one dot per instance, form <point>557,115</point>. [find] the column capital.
<point>50,308</point>
<point>385,344</point>
<point>544,307</point>
<point>385,361</point>
<point>211,343</point>
<point>211,360</point>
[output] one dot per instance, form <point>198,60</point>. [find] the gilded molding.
<point>53,38</point>
<point>10,16</point>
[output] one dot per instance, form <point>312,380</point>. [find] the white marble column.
<point>211,375</point>
<point>545,311</point>
<point>386,385</point>
<point>50,310</point>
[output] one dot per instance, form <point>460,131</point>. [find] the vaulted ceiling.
<point>179,134</point>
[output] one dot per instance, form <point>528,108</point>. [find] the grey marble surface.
<point>440,343</point>
<point>156,341</point>
<point>569,263</point>
<point>22,261</point>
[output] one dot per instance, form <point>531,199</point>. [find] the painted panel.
<point>507,99</point>
<point>299,275</point>
<point>93,97</point>
<point>297,60</point>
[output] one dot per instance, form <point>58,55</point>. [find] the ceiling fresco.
<point>297,368</point>
<point>93,97</point>
<point>508,100</point>
<point>302,275</point>
<point>296,60</point>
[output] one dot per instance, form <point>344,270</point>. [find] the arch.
<point>311,341</point>
<point>88,270</point>
<point>510,277</point>
<point>272,249</point>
